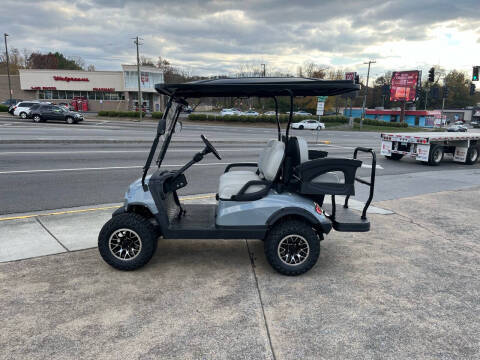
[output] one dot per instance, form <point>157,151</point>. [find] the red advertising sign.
<point>68,79</point>
<point>404,85</point>
<point>350,76</point>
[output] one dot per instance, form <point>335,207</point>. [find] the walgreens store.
<point>95,90</point>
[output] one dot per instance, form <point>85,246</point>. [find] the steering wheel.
<point>210,147</point>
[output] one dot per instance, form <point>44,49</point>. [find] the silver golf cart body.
<point>287,184</point>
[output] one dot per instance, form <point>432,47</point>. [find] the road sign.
<point>322,98</point>
<point>320,108</point>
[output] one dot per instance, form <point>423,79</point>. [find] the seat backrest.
<point>303,149</point>
<point>272,160</point>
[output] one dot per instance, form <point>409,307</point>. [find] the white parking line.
<point>99,168</point>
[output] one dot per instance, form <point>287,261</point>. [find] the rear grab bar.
<point>370,183</point>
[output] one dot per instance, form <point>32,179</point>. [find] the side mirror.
<point>162,125</point>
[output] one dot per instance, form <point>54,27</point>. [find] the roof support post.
<point>290,117</point>
<point>278,119</point>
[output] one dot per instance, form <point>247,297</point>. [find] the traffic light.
<point>357,79</point>
<point>475,73</point>
<point>445,92</point>
<point>431,75</point>
<point>472,89</point>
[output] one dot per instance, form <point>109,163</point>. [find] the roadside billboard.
<point>404,85</point>
<point>350,76</point>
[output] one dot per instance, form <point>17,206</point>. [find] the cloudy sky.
<point>216,37</point>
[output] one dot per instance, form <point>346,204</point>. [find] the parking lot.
<point>406,289</point>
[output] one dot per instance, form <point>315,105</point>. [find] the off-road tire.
<point>436,155</point>
<point>143,227</point>
<point>282,230</point>
<point>69,120</point>
<point>394,156</point>
<point>37,118</point>
<point>23,115</point>
<point>472,155</point>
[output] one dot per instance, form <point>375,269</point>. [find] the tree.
<point>91,67</point>
<point>54,61</point>
<point>15,60</point>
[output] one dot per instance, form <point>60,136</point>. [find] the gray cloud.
<point>216,36</point>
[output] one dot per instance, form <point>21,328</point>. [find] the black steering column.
<point>209,148</point>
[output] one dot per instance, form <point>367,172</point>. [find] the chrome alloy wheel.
<point>474,155</point>
<point>293,250</point>
<point>125,244</point>
<point>437,156</point>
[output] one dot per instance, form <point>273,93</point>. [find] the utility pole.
<point>263,70</point>
<point>366,92</point>
<point>140,102</point>
<point>8,68</point>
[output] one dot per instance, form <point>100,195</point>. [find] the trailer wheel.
<point>394,156</point>
<point>292,247</point>
<point>127,241</point>
<point>436,155</point>
<point>472,155</point>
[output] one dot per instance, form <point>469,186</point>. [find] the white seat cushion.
<point>231,185</point>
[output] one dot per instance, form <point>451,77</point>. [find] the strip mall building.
<point>104,90</point>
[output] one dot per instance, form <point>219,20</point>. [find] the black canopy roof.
<point>263,87</point>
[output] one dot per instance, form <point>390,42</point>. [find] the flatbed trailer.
<point>430,147</point>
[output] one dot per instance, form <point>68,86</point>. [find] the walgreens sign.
<point>68,79</point>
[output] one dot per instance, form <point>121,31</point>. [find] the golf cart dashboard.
<point>169,181</point>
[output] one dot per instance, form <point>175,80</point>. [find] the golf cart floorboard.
<point>347,220</point>
<point>198,222</point>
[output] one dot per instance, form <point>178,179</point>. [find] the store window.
<point>69,94</point>
<point>91,95</point>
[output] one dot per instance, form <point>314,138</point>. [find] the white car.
<point>23,108</point>
<point>251,113</point>
<point>308,124</point>
<point>269,113</point>
<point>230,112</point>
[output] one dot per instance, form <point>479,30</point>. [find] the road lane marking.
<point>111,151</point>
<point>100,168</point>
<point>183,198</point>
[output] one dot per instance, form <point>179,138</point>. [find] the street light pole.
<point>8,68</point>
<point>140,102</point>
<point>366,92</point>
<point>263,70</point>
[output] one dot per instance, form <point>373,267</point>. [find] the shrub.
<point>3,108</point>
<point>374,122</point>
<point>157,115</point>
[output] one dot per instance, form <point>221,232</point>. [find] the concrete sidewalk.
<point>408,289</point>
<point>53,232</point>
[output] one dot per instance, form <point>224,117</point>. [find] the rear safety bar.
<point>370,183</point>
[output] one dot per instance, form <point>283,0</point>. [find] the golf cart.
<point>279,200</point>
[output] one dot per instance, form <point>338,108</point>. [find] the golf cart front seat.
<point>248,186</point>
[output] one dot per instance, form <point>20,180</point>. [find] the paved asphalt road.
<point>52,175</point>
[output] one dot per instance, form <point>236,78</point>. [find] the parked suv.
<point>44,112</point>
<point>23,107</point>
